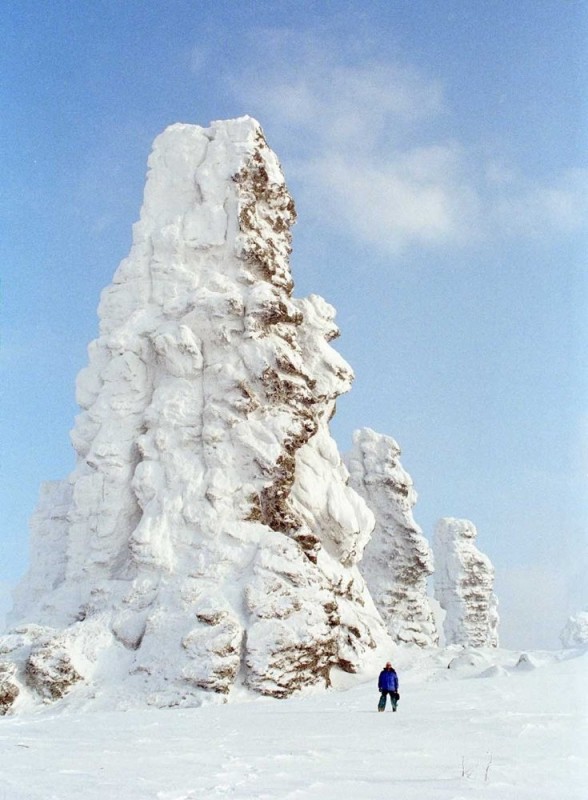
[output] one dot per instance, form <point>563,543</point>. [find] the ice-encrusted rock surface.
<point>575,631</point>
<point>207,537</point>
<point>464,582</point>
<point>397,560</point>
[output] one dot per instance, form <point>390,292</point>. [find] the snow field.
<point>496,731</point>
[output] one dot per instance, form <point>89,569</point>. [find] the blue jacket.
<point>388,680</point>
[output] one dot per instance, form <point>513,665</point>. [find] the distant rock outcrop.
<point>9,690</point>
<point>207,536</point>
<point>575,632</point>
<point>398,560</point>
<point>464,581</point>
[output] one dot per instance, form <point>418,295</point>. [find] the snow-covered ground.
<point>490,729</point>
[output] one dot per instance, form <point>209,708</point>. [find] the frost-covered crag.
<point>397,560</point>
<point>464,581</point>
<point>575,632</point>
<point>207,537</point>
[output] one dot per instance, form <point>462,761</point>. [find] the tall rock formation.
<point>575,631</point>
<point>398,560</point>
<point>207,537</point>
<point>464,581</point>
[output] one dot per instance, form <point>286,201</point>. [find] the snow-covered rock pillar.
<point>398,560</point>
<point>207,536</point>
<point>575,631</point>
<point>464,581</point>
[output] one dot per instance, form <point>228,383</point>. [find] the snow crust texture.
<point>207,537</point>
<point>488,731</point>
<point>464,581</point>
<point>398,560</point>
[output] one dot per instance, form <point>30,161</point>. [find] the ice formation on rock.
<point>397,560</point>
<point>207,537</point>
<point>464,581</point>
<point>575,632</point>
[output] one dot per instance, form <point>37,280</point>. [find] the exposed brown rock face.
<point>50,673</point>
<point>9,690</point>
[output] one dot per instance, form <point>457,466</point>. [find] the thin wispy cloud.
<point>378,154</point>
<point>524,206</point>
<point>199,56</point>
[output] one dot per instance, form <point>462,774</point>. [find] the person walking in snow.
<point>388,685</point>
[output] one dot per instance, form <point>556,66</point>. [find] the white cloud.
<point>368,141</point>
<point>349,107</point>
<point>340,106</point>
<point>395,203</point>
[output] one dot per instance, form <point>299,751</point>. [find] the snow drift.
<point>488,732</point>
<point>207,537</point>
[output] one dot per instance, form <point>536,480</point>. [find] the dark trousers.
<point>393,700</point>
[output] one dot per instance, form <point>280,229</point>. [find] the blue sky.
<point>437,156</point>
